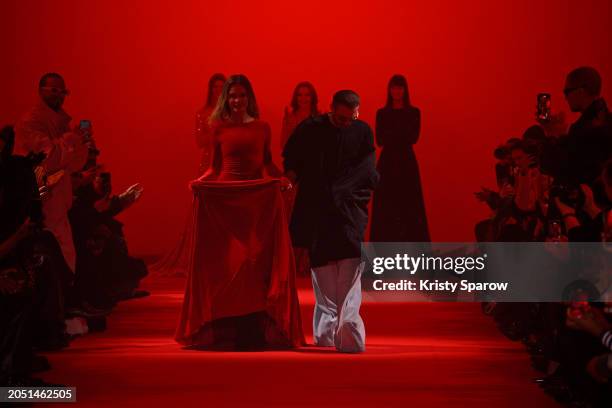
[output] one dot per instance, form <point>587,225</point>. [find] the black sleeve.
<point>367,144</point>
<point>115,207</point>
<point>368,154</point>
<point>414,127</point>
<point>554,155</point>
<point>380,129</point>
<point>293,152</point>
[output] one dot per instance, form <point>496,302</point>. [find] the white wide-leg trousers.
<point>337,288</point>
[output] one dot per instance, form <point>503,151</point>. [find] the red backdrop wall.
<point>138,70</point>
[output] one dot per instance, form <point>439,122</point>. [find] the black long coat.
<point>336,174</point>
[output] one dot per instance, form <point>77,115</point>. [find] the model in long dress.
<point>240,291</point>
<point>398,213</point>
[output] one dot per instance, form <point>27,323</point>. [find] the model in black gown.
<point>398,213</point>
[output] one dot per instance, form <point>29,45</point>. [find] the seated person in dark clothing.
<point>520,202</point>
<point>594,322</point>
<point>577,348</point>
<point>487,229</point>
<point>503,175</point>
<point>105,273</point>
<point>33,275</point>
<point>16,311</point>
<point>584,348</point>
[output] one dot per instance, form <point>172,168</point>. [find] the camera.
<point>543,112</point>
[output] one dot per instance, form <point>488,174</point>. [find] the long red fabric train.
<point>246,245</point>
<point>419,355</point>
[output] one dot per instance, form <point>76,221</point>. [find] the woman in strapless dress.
<point>240,291</point>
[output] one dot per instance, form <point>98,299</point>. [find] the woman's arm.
<point>414,128</point>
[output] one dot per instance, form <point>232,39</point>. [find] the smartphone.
<point>85,124</point>
<point>543,107</point>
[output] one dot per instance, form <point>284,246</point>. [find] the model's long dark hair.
<point>398,80</point>
<point>211,83</point>
<point>222,109</point>
<point>314,99</point>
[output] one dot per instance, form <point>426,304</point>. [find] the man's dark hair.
<point>587,78</point>
<point>48,75</point>
<point>347,98</point>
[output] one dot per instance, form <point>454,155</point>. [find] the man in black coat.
<point>578,157</point>
<point>332,159</point>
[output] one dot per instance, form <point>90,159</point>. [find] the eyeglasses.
<point>56,91</point>
<point>568,91</point>
<point>353,117</point>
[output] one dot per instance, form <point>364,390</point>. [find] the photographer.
<point>45,129</point>
<point>520,203</point>
<point>530,185</point>
<point>105,273</point>
<point>500,202</point>
<point>503,176</point>
<point>577,158</point>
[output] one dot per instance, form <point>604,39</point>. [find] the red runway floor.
<point>419,355</point>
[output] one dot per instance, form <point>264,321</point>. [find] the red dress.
<point>241,272</point>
